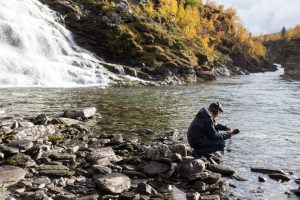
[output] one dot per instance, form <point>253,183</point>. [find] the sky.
<point>266,16</point>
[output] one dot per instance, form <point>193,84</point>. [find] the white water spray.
<point>36,50</point>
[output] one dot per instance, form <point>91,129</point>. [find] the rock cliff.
<point>121,35</point>
<point>286,53</point>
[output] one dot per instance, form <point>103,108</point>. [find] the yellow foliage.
<point>168,9</point>
<point>188,19</point>
<point>149,9</point>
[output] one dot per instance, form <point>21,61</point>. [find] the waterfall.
<point>36,50</point>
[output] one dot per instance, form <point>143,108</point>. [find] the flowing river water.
<point>264,106</point>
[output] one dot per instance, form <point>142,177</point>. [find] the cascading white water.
<point>36,50</point>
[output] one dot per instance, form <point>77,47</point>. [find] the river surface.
<point>264,106</point>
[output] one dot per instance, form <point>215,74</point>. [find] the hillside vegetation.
<point>184,38</point>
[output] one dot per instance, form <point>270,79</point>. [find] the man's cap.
<point>216,106</point>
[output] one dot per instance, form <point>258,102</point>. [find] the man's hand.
<point>229,130</point>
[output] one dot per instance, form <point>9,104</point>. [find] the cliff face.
<point>286,53</point>
<point>155,52</point>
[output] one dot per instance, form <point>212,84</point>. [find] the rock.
<point>134,174</point>
<point>297,181</point>
<point>154,168</point>
<point>117,139</point>
<point>210,197</point>
<point>21,160</point>
<point>21,144</point>
<point>221,188</point>
<point>224,171</point>
<point>168,135</point>
<point>238,177</point>
<point>1,157</point>
<point>157,151</point>
<point>89,197</point>
<point>99,169</point>
<point>264,170</point>
<point>129,196</point>
<point>41,119</point>
<point>199,186</point>
<point>38,195</point>
<point>7,150</point>
<point>10,175</point>
<point>146,189</point>
<point>262,179</point>
<point>83,113</point>
<point>206,177</point>
<point>63,156</point>
<point>65,121</point>
<point>55,171</point>
<point>35,152</point>
<point>114,183</point>
<point>101,155</point>
<point>296,192</point>
<point>189,167</point>
<point>41,180</point>
<point>179,148</point>
<point>193,196</point>
<point>35,132</point>
<point>280,177</point>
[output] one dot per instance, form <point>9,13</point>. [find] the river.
<point>264,106</point>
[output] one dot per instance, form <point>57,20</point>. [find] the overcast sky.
<point>266,16</point>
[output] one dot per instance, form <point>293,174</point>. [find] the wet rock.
<point>41,119</point>
<point>258,190</point>
<point>193,196</point>
<point>146,189</point>
<point>264,170</point>
<point>179,148</point>
<point>221,188</point>
<point>224,171</point>
<point>189,167</point>
<point>101,156</point>
<point>117,139</point>
<point>134,174</point>
<point>262,179</point>
<point>210,197</point>
<point>238,177</point>
<point>21,160</point>
<point>109,197</point>
<point>297,181</point>
<point>296,192</point>
<point>168,135</point>
<point>35,132</point>
<point>114,183</point>
<point>65,121</point>
<point>129,196</point>
<point>55,171</point>
<point>21,144</point>
<point>199,186</point>
<point>83,113</point>
<point>154,168</point>
<point>35,152</point>
<point>1,157</point>
<point>7,150</point>
<point>10,175</point>
<point>280,177</point>
<point>206,177</point>
<point>99,169</point>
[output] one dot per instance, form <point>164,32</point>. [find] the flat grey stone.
<point>10,175</point>
<point>55,171</point>
<point>114,183</point>
<point>206,177</point>
<point>7,150</point>
<point>224,171</point>
<point>21,160</point>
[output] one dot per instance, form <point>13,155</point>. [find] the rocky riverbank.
<point>63,158</point>
<point>150,48</point>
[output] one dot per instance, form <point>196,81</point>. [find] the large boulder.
<point>35,132</point>
<point>114,183</point>
<point>10,175</point>
<point>101,156</point>
<point>189,167</point>
<point>154,168</point>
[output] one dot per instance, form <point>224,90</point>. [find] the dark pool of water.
<point>263,106</point>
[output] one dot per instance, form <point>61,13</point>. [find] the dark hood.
<point>203,113</point>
